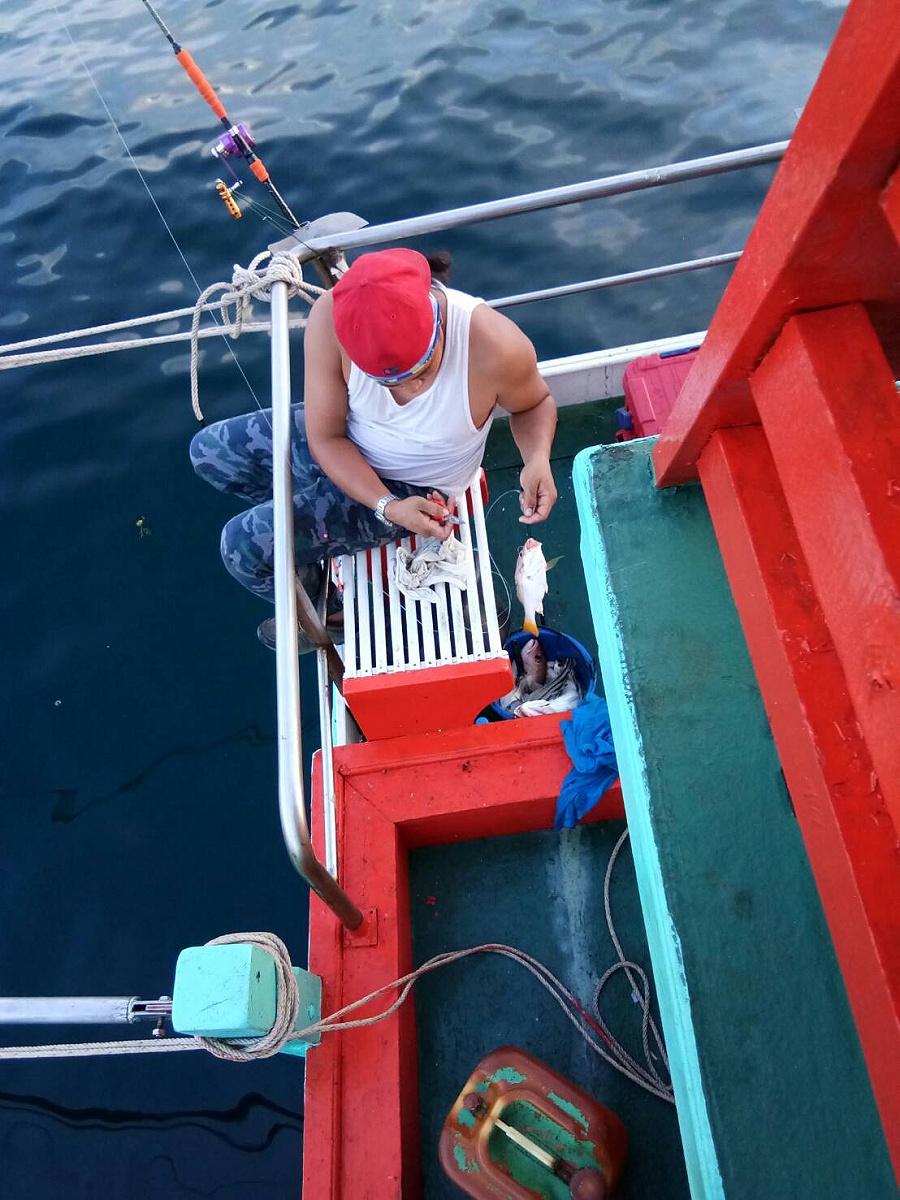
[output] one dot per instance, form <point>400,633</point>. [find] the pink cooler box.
<point>652,386</point>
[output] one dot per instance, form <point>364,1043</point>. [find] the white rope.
<point>247,284</point>
<point>98,1049</point>
<point>45,356</point>
<point>245,1049</point>
<point>176,314</point>
<point>650,1075</point>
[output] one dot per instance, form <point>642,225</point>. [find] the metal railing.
<point>291,800</point>
<point>354,238</point>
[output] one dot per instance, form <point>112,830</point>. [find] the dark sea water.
<point>138,809</point>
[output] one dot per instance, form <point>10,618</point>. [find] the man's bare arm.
<point>524,394</point>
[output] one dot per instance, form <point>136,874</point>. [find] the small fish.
<point>534,665</point>
<point>560,693</point>
<point>565,701</point>
<point>531,582</point>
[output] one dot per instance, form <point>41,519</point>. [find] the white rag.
<point>432,562</point>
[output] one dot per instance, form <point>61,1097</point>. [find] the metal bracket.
<point>330,263</point>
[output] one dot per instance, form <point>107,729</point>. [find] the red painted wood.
<point>821,239</point>
<point>890,203</point>
<point>337,1112</point>
<point>427,699</point>
<point>829,405</point>
<point>361,1113</point>
<point>849,834</point>
<point>483,781</point>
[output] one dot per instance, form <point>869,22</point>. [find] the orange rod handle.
<point>202,84</point>
<point>258,170</point>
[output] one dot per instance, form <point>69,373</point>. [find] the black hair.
<point>441,263</point>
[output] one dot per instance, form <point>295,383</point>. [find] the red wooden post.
<point>822,238</point>
<point>849,833</point>
<point>807,340</point>
<point>830,408</point>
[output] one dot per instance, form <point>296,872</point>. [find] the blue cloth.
<point>589,743</point>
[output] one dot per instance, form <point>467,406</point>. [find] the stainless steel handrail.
<point>66,1010</point>
<point>593,285</point>
<point>291,799</point>
<point>595,189</point>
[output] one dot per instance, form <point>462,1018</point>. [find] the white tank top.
<point>430,441</point>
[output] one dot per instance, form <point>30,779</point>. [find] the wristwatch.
<point>382,505</point>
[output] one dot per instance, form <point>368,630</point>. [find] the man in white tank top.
<point>403,376</point>
<point>386,327</point>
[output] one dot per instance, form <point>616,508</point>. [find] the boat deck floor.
<point>541,893</point>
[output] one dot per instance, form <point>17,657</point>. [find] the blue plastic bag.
<point>588,738</point>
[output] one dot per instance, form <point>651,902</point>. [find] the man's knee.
<point>248,549</point>
<point>205,448</point>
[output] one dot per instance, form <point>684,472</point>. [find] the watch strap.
<point>382,505</point>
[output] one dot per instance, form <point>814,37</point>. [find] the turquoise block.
<point>310,988</point>
<point>224,991</point>
<point>232,990</point>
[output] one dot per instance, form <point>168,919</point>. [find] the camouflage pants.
<point>235,456</point>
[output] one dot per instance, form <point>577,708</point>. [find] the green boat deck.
<point>773,1094</point>
<point>714,888</point>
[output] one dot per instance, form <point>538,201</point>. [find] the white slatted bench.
<point>415,667</point>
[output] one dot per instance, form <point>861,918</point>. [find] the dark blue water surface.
<point>137,774</point>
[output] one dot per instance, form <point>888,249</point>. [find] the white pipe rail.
<point>66,1010</point>
<point>291,800</point>
<point>594,189</point>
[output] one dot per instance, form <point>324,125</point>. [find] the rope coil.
<point>287,1005</point>
<point>247,284</point>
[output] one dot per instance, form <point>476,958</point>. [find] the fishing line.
<point>272,215</point>
<point>159,211</point>
<point>496,570</point>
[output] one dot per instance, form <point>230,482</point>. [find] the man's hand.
<point>421,515</point>
<point>538,490</point>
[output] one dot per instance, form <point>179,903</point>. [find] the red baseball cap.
<point>383,315</point>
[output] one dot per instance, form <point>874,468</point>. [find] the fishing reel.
<point>236,142</point>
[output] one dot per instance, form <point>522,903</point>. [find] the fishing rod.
<point>236,141</point>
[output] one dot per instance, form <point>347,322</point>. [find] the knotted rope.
<point>247,284</point>
<point>282,1032</point>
